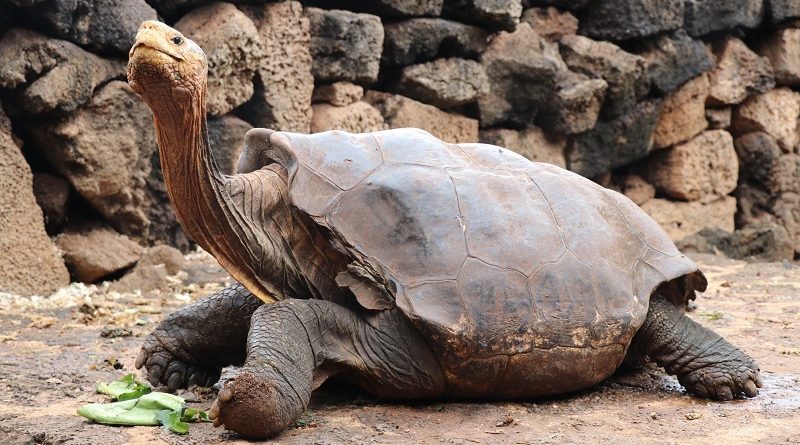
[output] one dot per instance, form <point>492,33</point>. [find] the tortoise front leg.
<point>193,344</point>
<point>705,363</point>
<point>294,345</point>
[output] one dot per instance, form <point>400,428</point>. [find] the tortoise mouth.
<point>144,53</point>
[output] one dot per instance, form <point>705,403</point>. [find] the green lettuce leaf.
<point>126,388</point>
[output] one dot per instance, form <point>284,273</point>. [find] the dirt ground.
<point>54,350</point>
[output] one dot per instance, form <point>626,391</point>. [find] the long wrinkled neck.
<point>194,184</point>
<point>196,187</point>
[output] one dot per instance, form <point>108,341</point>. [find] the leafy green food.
<point>137,405</point>
<point>126,388</point>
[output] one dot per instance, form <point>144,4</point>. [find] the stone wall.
<point>687,106</point>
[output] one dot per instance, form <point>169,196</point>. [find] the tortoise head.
<point>165,67</point>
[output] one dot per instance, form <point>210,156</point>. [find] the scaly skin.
<point>294,345</point>
<point>192,345</point>
<point>705,363</point>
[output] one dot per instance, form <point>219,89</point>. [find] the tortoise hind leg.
<point>294,345</point>
<point>705,363</point>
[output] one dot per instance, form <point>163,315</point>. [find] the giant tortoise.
<point>411,267</point>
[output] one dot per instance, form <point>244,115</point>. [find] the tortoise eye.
<point>177,40</point>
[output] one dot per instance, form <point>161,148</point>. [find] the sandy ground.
<point>52,354</point>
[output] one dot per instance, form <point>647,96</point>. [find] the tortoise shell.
<point>495,258</point>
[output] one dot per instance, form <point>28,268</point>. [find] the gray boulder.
<point>425,39</point>
<point>674,58</point>
<point>51,74</point>
<point>385,8</point>
<point>624,72</point>
<point>755,242</point>
<point>781,10</point>
<point>345,45</point>
<point>611,144</point>
<point>94,252</point>
<point>769,184</point>
<point>702,17</point>
<point>627,19</point>
<point>530,83</point>
<point>570,5</point>
<point>523,70</point>
<point>491,14</point>
<point>99,25</point>
<point>444,83</point>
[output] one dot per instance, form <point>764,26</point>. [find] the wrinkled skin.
<point>287,348</point>
<point>294,345</point>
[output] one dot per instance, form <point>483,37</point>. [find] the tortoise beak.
<point>153,44</point>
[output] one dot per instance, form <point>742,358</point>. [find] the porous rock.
<point>444,83</point>
<point>99,25</point>
<point>626,19</point>
<point>425,39</point>
<point>282,96</point>
<point>106,150</point>
<point>766,167</point>
<point>783,51</point>
<point>171,258</point>
<point>176,8</point>
<point>739,73</point>
<point>624,72</point>
<point>141,279</point>
<point>52,74</point>
<point>681,219</point>
<point>673,58</point>
<point>759,157</point>
<point>702,169</point>
<point>570,5</point>
<point>345,45</point>
<point>523,71</point>
<point>151,271</point>
<point>637,189</point>
<point>550,22</point>
<point>786,208</point>
<point>233,48</point>
<point>226,137</point>
<point>52,195</point>
<point>357,117</point>
<point>96,252</point>
<point>755,242</point>
<point>614,143</point>
<point>781,10</point>
<point>718,118</point>
<point>705,16</point>
<point>491,14</point>
<point>386,8</point>
<point>338,93</point>
<point>532,142</point>
<point>763,202</point>
<point>775,112</point>
<point>683,114</point>
<point>575,104</point>
<point>30,263</point>
<point>400,112</point>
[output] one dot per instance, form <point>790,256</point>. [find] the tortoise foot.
<point>724,380</point>
<point>166,364</point>
<point>250,406</point>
